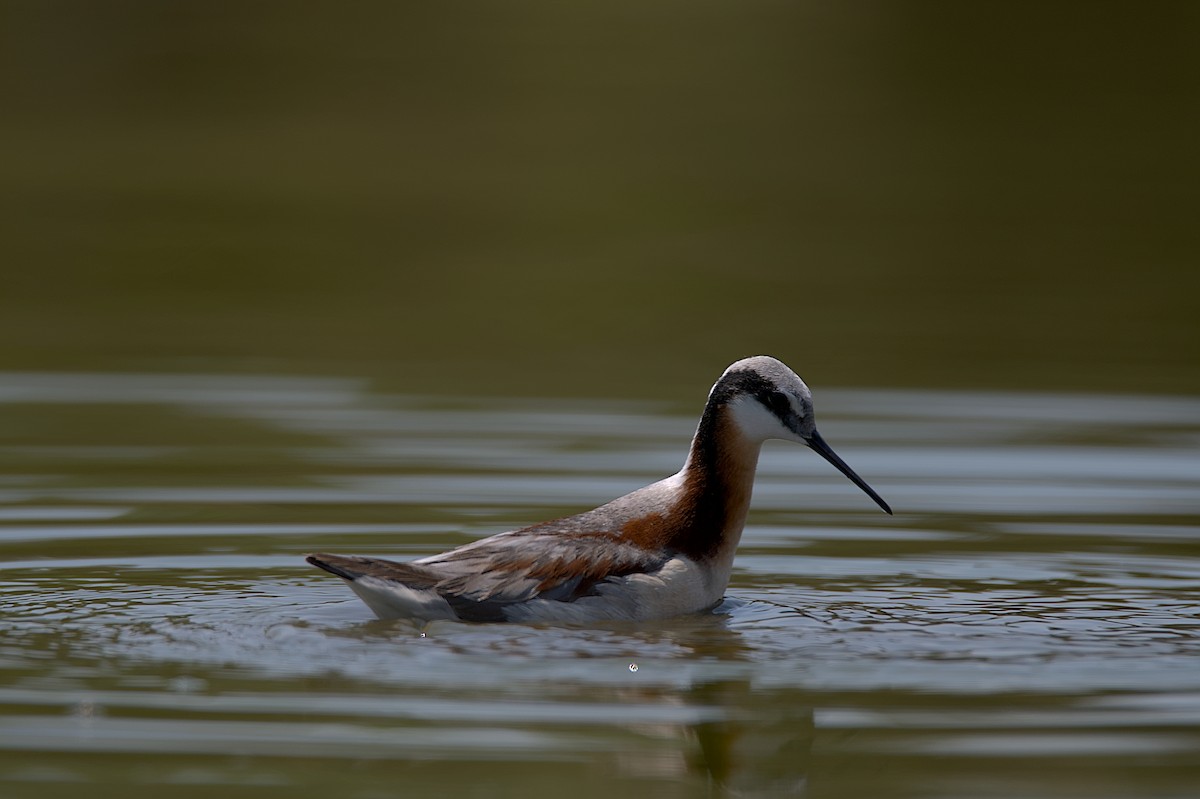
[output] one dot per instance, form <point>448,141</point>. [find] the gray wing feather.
<point>480,579</point>
<point>518,567</point>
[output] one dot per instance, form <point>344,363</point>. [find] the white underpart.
<point>681,586</point>
<point>393,600</point>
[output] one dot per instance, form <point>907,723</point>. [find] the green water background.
<point>615,198</point>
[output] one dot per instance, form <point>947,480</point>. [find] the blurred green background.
<point>604,197</point>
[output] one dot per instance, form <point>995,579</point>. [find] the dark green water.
<point>537,199</point>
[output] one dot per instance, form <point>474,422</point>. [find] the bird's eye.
<point>778,402</point>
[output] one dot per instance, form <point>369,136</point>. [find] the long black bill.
<point>818,445</point>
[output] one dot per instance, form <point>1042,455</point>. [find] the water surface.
<point>1027,624</point>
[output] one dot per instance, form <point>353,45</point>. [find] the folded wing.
<point>480,580</point>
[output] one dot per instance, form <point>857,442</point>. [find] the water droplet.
<point>633,667</point>
<point>85,709</point>
<point>187,685</point>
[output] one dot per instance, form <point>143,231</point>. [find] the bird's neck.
<point>717,481</point>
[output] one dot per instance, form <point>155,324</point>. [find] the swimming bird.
<point>663,550</point>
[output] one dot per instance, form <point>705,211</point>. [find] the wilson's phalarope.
<point>663,550</point>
